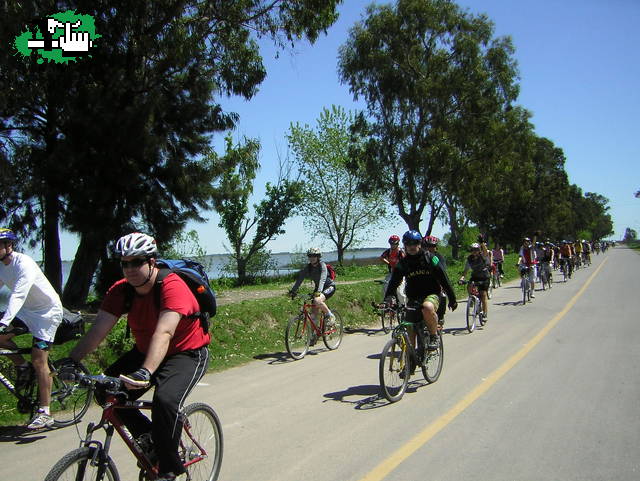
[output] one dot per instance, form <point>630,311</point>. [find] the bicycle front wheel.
<point>69,401</point>
<point>394,369</point>
<point>298,337</point>
<point>76,466</point>
<point>432,367</point>
<point>471,313</point>
<point>333,331</point>
<point>201,444</point>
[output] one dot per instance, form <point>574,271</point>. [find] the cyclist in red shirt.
<point>170,349</point>
<point>391,257</point>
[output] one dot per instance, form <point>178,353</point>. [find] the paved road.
<point>508,406</point>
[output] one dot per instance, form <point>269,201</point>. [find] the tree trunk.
<point>84,267</point>
<point>52,261</point>
<point>241,263</point>
<point>454,240</point>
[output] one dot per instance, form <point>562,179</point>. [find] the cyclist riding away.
<point>425,279</point>
<point>33,304</point>
<point>498,259</point>
<point>170,350</point>
<point>479,266</point>
<point>324,287</point>
<point>391,257</point>
<point>526,262</point>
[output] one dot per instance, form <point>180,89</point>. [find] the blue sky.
<point>579,66</point>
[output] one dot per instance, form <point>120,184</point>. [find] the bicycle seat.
<point>17,330</point>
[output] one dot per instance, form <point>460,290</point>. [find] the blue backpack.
<point>194,276</point>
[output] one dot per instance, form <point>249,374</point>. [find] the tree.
<point>630,235</point>
<point>432,78</point>
<point>333,207</point>
<point>232,203</point>
<point>131,124</point>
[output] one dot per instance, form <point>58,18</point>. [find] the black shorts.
<point>329,291</point>
<point>482,284</point>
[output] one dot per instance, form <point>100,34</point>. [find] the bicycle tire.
<point>490,292</point>
<point>297,337</point>
<point>69,401</point>
<point>432,367</point>
<point>471,314</point>
<point>332,337</point>
<point>201,431</point>
<point>393,369</point>
<point>388,319</point>
<point>481,319</point>
<point>525,287</point>
<point>76,466</point>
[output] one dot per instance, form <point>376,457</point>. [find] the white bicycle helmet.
<point>314,251</point>
<point>136,244</point>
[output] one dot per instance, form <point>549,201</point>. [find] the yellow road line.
<point>394,460</point>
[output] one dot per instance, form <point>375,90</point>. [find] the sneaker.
<point>40,421</point>
<point>434,343</point>
<point>329,322</point>
<point>314,339</point>
<point>24,375</point>
<point>533,296</point>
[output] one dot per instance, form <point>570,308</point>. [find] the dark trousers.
<point>173,381</point>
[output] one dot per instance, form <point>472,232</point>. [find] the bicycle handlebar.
<point>109,384</point>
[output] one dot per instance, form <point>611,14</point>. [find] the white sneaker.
<point>40,421</point>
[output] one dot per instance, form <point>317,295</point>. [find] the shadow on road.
<point>275,357</point>
<point>369,331</point>
<point>19,435</point>
<point>371,399</point>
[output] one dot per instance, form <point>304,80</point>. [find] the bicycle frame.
<point>110,421</point>
<point>4,380</point>
<point>319,328</point>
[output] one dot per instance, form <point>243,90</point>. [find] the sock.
<point>45,410</point>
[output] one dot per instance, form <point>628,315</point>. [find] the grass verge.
<point>253,329</point>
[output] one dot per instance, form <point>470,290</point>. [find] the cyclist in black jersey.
<point>425,279</point>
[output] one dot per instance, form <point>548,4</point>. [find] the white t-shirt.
<point>32,299</point>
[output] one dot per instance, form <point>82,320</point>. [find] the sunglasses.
<point>135,263</point>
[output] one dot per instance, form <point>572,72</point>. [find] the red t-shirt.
<point>143,315</point>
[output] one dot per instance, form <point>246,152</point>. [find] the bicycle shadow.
<point>275,357</point>
<point>283,357</point>
<point>20,435</point>
<point>369,331</point>
<point>371,400</point>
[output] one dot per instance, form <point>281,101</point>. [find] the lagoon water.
<point>216,263</point>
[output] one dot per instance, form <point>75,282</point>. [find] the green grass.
<point>254,329</point>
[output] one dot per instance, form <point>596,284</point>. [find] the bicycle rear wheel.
<point>69,401</point>
<point>332,336</point>
<point>76,466</point>
<point>297,337</point>
<point>394,369</point>
<point>201,444</point>
<point>388,319</point>
<point>432,367</point>
<point>471,313</point>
